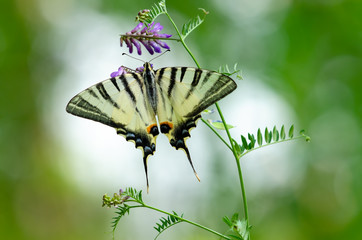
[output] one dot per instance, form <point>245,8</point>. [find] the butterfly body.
<point>130,103</point>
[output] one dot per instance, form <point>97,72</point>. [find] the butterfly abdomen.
<point>151,91</point>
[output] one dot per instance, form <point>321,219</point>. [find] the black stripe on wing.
<point>222,87</point>
<point>183,71</point>
<point>105,95</point>
<point>198,76</point>
<point>172,81</point>
<point>91,92</point>
<point>127,88</point>
<point>114,81</point>
<point>78,106</point>
<point>160,72</point>
<point>138,79</point>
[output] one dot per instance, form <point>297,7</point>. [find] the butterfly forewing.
<point>191,90</point>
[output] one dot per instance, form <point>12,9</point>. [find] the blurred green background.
<point>306,52</point>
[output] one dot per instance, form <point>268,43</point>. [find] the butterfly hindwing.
<point>184,93</point>
<point>120,103</point>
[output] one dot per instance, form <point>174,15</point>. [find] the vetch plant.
<point>148,34</point>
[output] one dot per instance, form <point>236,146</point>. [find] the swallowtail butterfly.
<point>130,103</point>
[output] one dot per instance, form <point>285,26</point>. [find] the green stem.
<point>148,37</point>
<point>188,221</point>
<point>268,144</point>
<point>216,133</point>
<point>243,192</point>
<point>182,40</point>
<point>226,128</point>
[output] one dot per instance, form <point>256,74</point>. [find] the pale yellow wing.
<point>183,94</point>
<point>120,103</point>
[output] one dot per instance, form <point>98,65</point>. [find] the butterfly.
<point>131,102</point>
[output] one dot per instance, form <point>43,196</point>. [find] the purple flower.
<point>162,44</point>
<point>120,71</point>
<point>148,36</point>
<point>137,45</point>
<point>137,28</point>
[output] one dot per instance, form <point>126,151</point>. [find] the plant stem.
<point>148,37</point>
<point>227,131</point>
<point>238,166</point>
<point>268,144</point>
<point>216,133</point>
<point>188,221</point>
<point>182,40</point>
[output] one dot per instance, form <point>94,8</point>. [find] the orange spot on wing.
<point>148,129</point>
<point>170,124</point>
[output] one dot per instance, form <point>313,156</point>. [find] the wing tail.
<point>145,165</point>
<point>189,158</point>
<point>177,134</point>
<point>146,141</point>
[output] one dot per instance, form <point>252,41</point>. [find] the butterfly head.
<point>147,66</point>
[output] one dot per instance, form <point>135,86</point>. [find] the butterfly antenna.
<point>133,57</point>
<point>160,55</point>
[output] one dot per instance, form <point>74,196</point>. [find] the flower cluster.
<point>148,36</point>
<point>116,200</point>
<point>143,15</point>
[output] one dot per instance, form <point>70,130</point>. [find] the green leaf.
<point>275,134</point>
<point>259,137</point>
<point>282,133</point>
<point>242,148</point>
<point>237,147</point>
<point>291,131</point>
<point>226,71</point>
<point>270,136</point>
<point>245,143</point>
<point>252,141</point>
<point>193,23</point>
<point>139,197</point>
<point>227,221</point>
<point>307,138</point>
<point>156,10</point>
<point>167,223</point>
<point>239,227</point>
<point>235,217</point>
<point>267,136</point>
<point>236,237</point>
<point>238,71</point>
<point>208,111</point>
<point>219,125</point>
<point>122,210</point>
